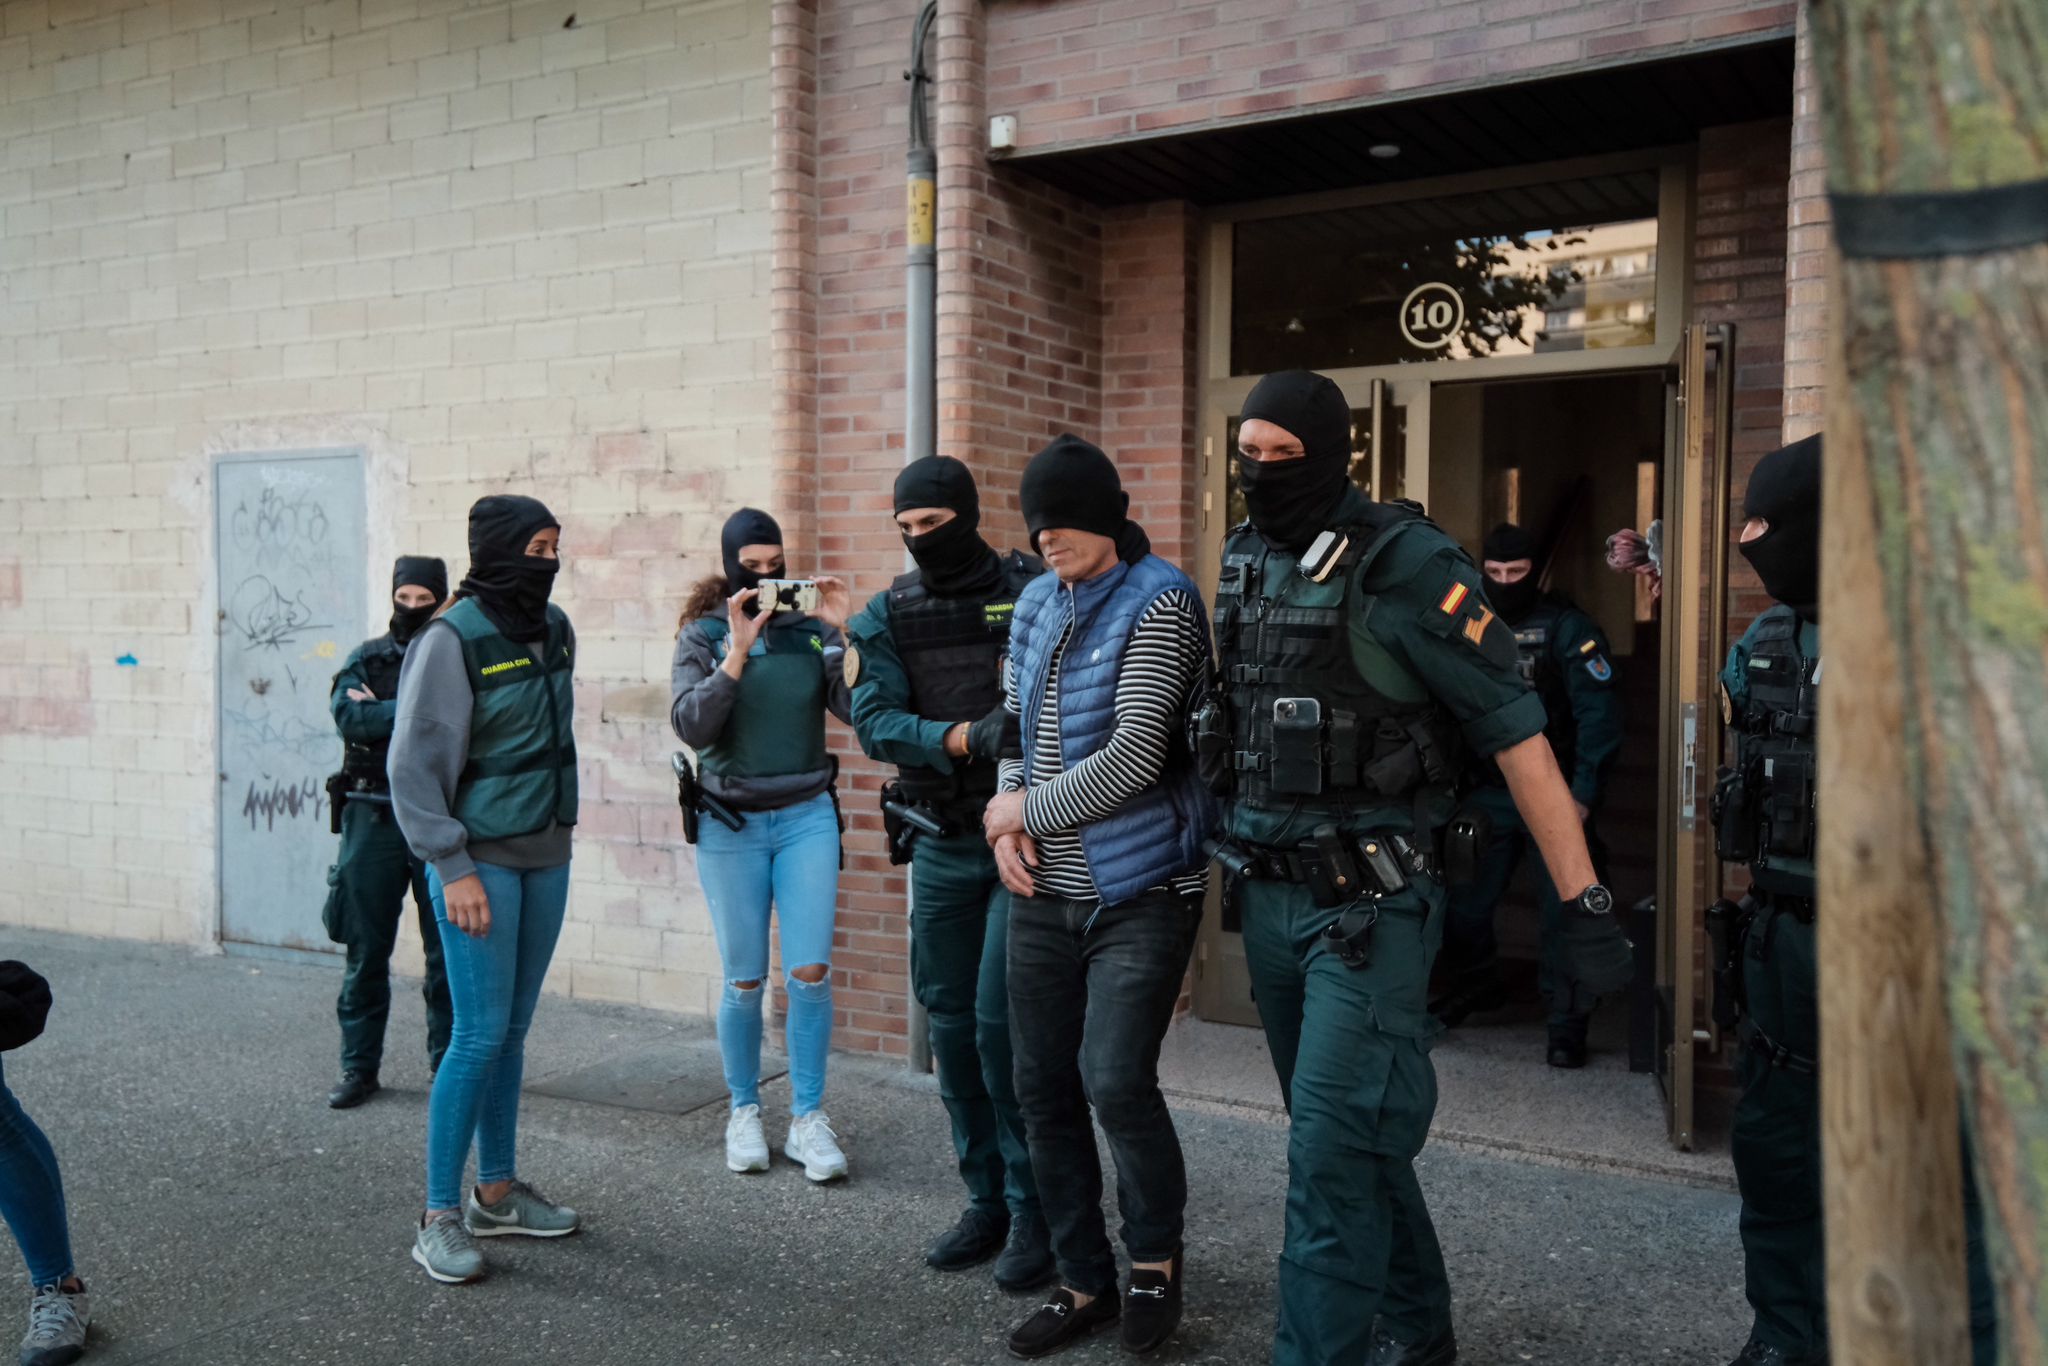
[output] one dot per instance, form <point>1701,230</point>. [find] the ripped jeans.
<point>788,859</point>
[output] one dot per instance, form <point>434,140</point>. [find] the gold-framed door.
<point>1695,539</point>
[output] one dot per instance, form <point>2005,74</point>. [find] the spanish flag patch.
<point>1453,600</point>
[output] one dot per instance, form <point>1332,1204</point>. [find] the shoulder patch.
<point>1453,599</point>
<point>1727,705</point>
<point>1590,646</point>
<point>1601,670</point>
<point>1475,626</point>
<point>851,667</point>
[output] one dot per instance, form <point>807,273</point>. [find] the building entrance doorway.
<point>1572,458</point>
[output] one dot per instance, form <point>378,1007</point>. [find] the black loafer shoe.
<point>1391,1349</point>
<point>1058,1323</point>
<point>1026,1263</point>
<point>1567,1053</point>
<point>976,1238</point>
<point>1151,1307</point>
<point>352,1090</point>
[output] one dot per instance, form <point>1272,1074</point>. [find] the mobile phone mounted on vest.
<point>787,595</point>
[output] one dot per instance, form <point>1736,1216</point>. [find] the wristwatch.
<point>1595,900</point>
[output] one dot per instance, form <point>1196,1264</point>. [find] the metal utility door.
<point>1695,596</point>
<point>288,532</point>
<point>1390,459</point>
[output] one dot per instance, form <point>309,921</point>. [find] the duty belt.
<point>1276,863</point>
<point>1776,1054</point>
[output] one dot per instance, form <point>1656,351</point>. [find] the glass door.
<point>1389,459</point>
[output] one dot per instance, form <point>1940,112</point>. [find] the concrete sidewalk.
<point>224,1216</point>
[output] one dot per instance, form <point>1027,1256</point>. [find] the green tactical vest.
<point>1383,742</point>
<point>521,773</point>
<point>777,724</point>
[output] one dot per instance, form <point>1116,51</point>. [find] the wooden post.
<point>1934,748</point>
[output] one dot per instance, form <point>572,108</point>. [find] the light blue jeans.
<point>787,859</point>
<point>32,1194</point>
<point>495,983</point>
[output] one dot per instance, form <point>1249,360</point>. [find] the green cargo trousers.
<point>371,877</point>
<point>1776,1144</point>
<point>959,924</point>
<point>1351,1047</point>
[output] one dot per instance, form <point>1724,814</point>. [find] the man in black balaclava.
<point>923,660</point>
<point>1335,746</point>
<point>1782,538</point>
<point>1564,655</point>
<point>366,893</point>
<point>507,580</point>
<point>1290,497</point>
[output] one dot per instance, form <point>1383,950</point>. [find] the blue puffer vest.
<point>1159,834</point>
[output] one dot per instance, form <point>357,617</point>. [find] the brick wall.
<point>1739,278</point>
<point>494,246</point>
<point>1081,73</point>
<point>1807,248</point>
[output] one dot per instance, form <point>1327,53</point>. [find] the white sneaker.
<point>746,1147</point>
<point>812,1143</point>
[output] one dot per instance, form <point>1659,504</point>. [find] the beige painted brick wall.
<point>493,248</point>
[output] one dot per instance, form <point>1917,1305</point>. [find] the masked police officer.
<point>1764,812</point>
<point>375,868</point>
<point>1564,656</point>
<point>923,660</point>
<point>1357,650</point>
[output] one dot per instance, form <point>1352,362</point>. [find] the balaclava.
<point>1291,500</point>
<point>953,559</point>
<point>1505,544</point>
<point>748,526</point>
<point>510,585</point>
<point>416,571</point>
<point>1072,485</point>
<point>1785,491</point>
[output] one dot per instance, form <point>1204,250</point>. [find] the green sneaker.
<point>523,1211</point>
<point>444,1249</point>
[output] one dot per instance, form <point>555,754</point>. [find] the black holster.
<point>337,793</point>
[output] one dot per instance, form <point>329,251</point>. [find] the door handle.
<point>1689,768</point>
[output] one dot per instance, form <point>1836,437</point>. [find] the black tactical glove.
<point>1602,959</point>
<point>24,1004</point>
<point>995,736</point>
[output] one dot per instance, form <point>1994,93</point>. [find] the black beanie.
<point>748,526</point>
<point>421,571</point>
<point>1071,485</point>
<point>1309,405</point>
<point>1507,543</point>
<point>937,481</point>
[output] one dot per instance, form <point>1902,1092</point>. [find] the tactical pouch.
<point>1211,744</point>
<point>1788,783</point>
<point>1734,830</point>
<point>1334,878</point>
<point>1297,766</point>
<point>1465,841</point>
<point>1727,922</point>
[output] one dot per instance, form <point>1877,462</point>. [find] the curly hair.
<point>706,596</point>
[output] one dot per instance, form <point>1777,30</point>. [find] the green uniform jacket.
<point>362,723</point>
<point>888,729</point>
<point>1578,651</point>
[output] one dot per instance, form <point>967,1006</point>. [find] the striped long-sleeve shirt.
<point>1161,667</point>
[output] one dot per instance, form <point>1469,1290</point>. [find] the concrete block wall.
<point>497,247</point>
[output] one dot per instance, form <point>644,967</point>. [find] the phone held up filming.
<point>786,595</point>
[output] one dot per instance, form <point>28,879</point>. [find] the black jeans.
<point>1089,1004</point>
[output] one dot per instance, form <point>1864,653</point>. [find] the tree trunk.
<point>1936,612</point>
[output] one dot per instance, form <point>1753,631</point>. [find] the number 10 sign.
<point>1431,315</point>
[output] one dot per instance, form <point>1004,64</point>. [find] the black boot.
<point>1391,1349</point>
<point>352,1090</point>
<point>976,1238</point>
<point>1151,1307</point>
<point>1471,998</point>
<point>1566,1051</point>
<point>1026,1263</point>
<point>1058,1323</point>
